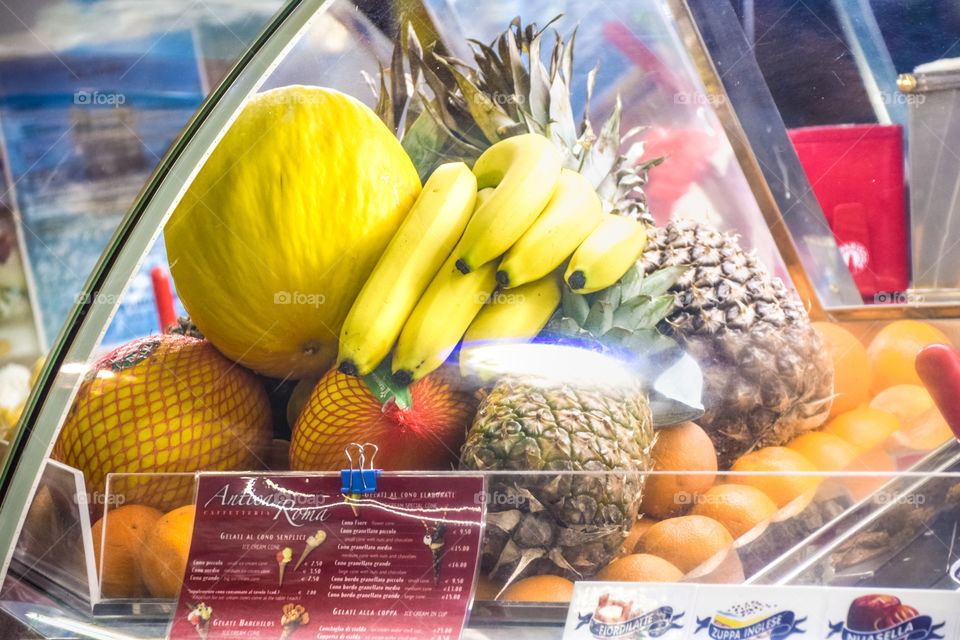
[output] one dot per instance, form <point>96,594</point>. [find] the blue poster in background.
<point>83,130</point>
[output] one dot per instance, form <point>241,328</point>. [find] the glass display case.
<point>566,249</point>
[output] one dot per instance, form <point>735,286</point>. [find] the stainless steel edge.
<point>750,118</point>
<point>44,415</point>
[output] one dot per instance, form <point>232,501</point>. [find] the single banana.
<point>439,320</point>
<point>411,260</point>
<point>444,312</point>
<point>607,253</point>
<point>573,212</point>
<point>525,170</point>
<point>515,315</point>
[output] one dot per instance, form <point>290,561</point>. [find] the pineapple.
<point>565,524</point>
<point>767,376</point>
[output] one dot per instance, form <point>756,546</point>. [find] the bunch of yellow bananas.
<point>511,222</point>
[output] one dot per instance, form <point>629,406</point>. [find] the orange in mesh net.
<point>164,404</point>
<point>341,409</point>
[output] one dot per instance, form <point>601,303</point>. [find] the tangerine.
<point>827,451</point>
<point>640,567</point>
<point>163,556</point>
<point>782,487</point>
<point>894,349</point>
<point>863,428</point>
<point>851,370</point>
<point>127,528</point>
<point>738,507</point>
<point>539,589</point>
<point>686,541</point>
<point>680,448</point>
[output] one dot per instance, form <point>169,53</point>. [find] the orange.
<point>738,507</point>
<point>539,589</point>
<point>637,530</point>
<point>921,424</point>
<point>686,542</point>
<point>163,557</point>
<point>640,567</point>
<point>677,449</point>
<point>784,486</point>
<point>827,451</point>
<point>863,428</point>
<point>893,350</point>
<point>127,528</point>
<point>851,370</point>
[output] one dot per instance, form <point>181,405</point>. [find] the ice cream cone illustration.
<point>435,542</point>
<point>199,617</point>
<point>313,542</point>
<point>283,559</point>
<point>294,616</point>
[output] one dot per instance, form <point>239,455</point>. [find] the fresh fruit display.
<point>573,212</point>
<point>342,409</point>
<point>767,376</point>
<point>164,404</point>
<point>284,223</point>
<point>411,260</point>
<point>524,171</point>
<point>545,523</point>
<point>605,254</point>
<point>520,315</point>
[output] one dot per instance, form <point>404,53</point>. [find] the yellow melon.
<point>284,222</point>
<point>164,404</point>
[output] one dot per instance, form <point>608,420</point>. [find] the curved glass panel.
<point>290,211</point>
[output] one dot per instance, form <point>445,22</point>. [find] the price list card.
<point>293,557</point>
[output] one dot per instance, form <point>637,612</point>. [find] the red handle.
<point>939,368</point>
<point>163,297</point>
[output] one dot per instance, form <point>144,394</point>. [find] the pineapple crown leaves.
<point>445,110</point>
<point>624,315</point>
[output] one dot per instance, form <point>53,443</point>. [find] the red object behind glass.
<point>857,175</point>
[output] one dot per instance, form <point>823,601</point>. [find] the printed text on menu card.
<point>292,557</point>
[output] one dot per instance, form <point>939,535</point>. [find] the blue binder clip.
<point>363,478</point>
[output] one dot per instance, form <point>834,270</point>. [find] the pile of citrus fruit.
<point>142,552</point>
<point>693,518</point>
